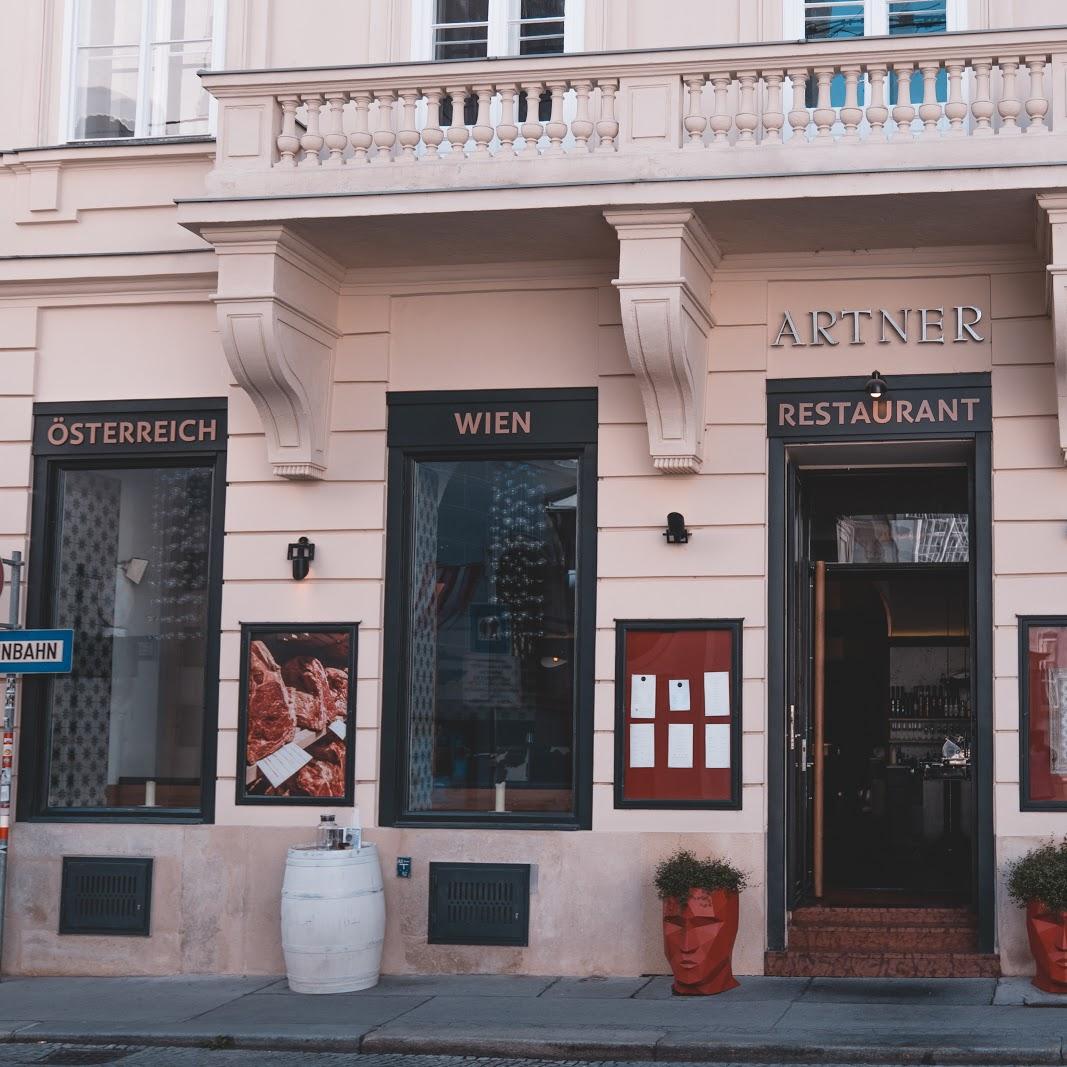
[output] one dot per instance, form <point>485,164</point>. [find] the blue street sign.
<point>36,651</point>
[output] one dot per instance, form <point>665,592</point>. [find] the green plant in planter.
<point>1041,877</point>
<point>682,872</point>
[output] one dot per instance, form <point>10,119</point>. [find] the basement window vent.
<point>479,904</point>
<point>105,895</point>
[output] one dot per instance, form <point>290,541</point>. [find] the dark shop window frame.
<point>1026,623</point>
<point>403,458</point>
<point>34,746</point>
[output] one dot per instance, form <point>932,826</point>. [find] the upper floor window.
<point>835,20</point>
<point>133,68</point>
<point>480,29</point>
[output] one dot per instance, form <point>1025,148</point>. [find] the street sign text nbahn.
<point>36,651</point>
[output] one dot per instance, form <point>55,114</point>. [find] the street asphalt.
<point>765,1020</point>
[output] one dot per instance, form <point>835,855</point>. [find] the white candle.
<point>500,787</point>
<point>150,794</point>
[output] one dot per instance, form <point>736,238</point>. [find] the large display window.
<point>1043,712</point>
<point>491,536</point>
<point>126,548</point>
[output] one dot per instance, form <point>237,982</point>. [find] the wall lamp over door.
<point>301,553</point>
<point>676,533</point>
<point>876,386</point>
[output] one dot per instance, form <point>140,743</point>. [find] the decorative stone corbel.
<point>1054,208</point>
<point>277,306</point>
<point>666,262</point>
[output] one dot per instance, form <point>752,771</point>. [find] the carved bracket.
<point>277,309</point>
<point>666,263</point>
<point>1055,210</point>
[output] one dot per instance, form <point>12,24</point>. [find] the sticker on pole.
<point>36,651</point>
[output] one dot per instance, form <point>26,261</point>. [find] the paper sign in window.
<point>642,744</point>
<point>716,745</point>
<point>643,696</point>
<point>678,694</point>
<point>717,693</point>
<point>680,744</point>
<point>281,765</point>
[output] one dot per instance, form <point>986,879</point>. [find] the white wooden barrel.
<point>333,919</point>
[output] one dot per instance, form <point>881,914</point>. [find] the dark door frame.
<point>778,579</point>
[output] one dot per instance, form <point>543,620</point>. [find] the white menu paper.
<point>680,744</point>
<point>643,696</point>
<point>678,693</point>
<point>716,744</point>
<point>338,727</point>
<point>642,744</point>
<point>282,765</point>
<point>717,693</point>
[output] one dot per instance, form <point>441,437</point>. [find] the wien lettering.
<point>927,326</point>
<point>31,651</point>
<point>486,423</point>
<point>959,410</point>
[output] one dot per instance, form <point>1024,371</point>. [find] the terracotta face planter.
<point>1047,931</point>
<point>698,938</point>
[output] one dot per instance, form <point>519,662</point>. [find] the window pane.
<point>109,22</point>
<point>183,20</point>
<point>917,16</point>
<point>542,9</point>
<point>907,538</point>
<point>542,45</point>
<point>832,22</point>
<point>491,652</point>
<point>462,11</point>
<point>177,104</point>
<point>105,95</point>
<point>131,580</point>
<point>1046,666</point>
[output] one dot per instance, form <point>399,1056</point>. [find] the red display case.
<point>678,713</point>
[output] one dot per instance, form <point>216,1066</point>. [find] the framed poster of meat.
<point>296,727</point>
<point>678,713</point>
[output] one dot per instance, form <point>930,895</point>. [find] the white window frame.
<point>67,110</point>
<point>502,15</point>
<point>875,18</point>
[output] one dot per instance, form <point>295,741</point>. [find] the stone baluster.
<point>384,137</point>
<point>1010,105</point>
<point>1036,103</point>
<point>360,138</point>
<point>825,116</point>
<point>930,109</point>
<point>532,129</point>
<point>721,119</point>
<point>799,117</point>
<point>288,142</point>
<point>747,119</point>
<point>851,113</point>
<point>312,140</point>
<point>877,112</point>
<point>582,125</point>
<point>507,131</point>
<point>336,140</point>
<point>482,131</point>
<point>955,108</point>
<point>774,116</point>
<point>556,128</point>
<point>432,134</point>
<point>982,102</point>
<point>458,134</point>
<point>903,111</point>
<point>607,127</point>
<point>408,135</point>
<point>695,122</point>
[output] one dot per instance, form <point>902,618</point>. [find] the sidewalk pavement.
<point>812,1020</point>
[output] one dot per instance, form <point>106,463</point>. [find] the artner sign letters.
<point>859,326</point>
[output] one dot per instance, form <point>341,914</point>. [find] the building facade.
<point>473,296</point>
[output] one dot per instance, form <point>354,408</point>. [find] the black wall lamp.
<point>301,552</point>
<point>876,386</point>
<point>676,533</point>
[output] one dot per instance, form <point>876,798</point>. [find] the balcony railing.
<point>715,111</point>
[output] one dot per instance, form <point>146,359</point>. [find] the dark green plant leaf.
<point>682,872</point>
<point>1041,875</point>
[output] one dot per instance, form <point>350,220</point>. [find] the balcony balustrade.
<point>936,101</point>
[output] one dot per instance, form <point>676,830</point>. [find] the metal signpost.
<point>21,652</point>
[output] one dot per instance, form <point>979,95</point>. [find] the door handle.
<point>792,727</point>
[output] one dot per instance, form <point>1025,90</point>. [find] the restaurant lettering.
<point>858,326</point>
<point>859,413</point>
<point>120,431</point>
<point>492,422</point>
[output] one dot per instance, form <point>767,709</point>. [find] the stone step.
<point>795,964</point>
<point>867,937</point>
<point>825,915</point>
